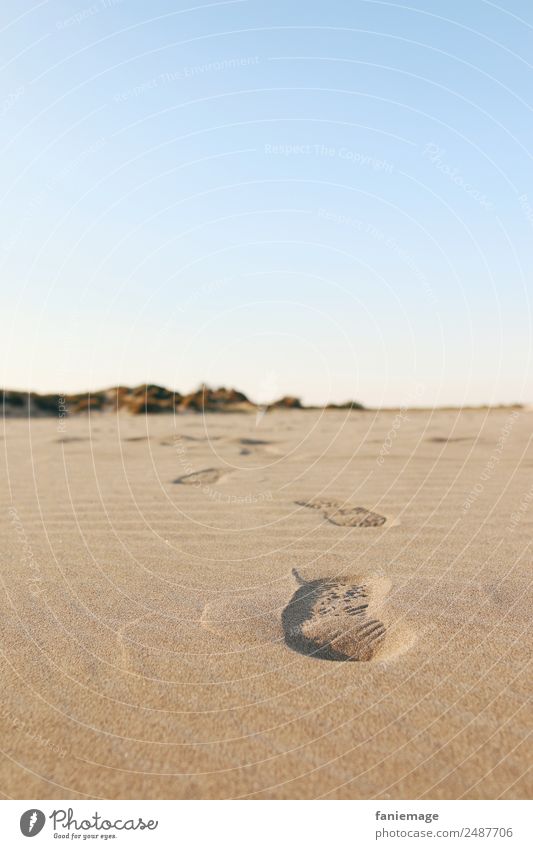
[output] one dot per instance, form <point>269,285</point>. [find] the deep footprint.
<point>332,619</point>
<point>345,515</point>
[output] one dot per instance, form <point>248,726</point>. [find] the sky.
<point>331,200</point>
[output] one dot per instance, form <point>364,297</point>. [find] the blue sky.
<point>333,200</point>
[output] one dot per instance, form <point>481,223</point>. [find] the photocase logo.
<point>32,822</point>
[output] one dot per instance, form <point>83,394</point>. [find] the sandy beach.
<point>297,604</point>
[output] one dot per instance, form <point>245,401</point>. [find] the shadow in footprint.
<point>446,439</point>
<point>204,476</point>
<point>248,441</point>
<point>175,439</point>
<point>329,619</point>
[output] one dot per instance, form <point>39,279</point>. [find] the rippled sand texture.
<point>297,605</point>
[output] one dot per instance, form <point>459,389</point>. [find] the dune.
<point>143,399</point>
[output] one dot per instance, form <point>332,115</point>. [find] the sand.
<point>291,605</point>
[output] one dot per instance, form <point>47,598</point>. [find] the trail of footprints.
<point>213,475</point>
<point>336,619</point>
<point>332,619</point>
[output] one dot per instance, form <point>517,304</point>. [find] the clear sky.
<point>329,199</point>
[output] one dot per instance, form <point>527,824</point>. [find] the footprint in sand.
<point>256,446</point>
<point>448,439</point>
<point>174,440</point>
<point>340,619</point>
<point>344,514</point>
<point>204,476</point>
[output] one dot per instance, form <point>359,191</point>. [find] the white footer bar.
<point>267,824</point>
